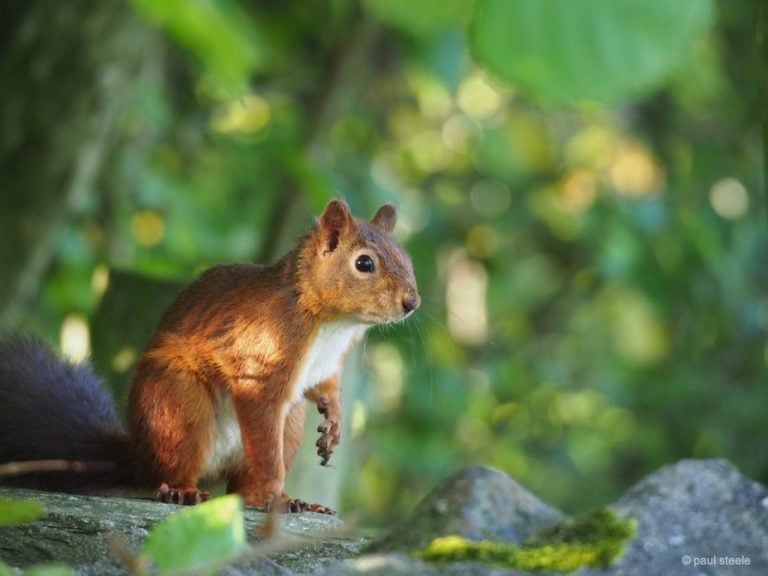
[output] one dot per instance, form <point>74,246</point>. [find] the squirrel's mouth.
<point>405,316</point>
<point>378,320</point>
<point>397,319</point>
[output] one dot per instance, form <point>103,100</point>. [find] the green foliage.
<point>218,32</point>
<point>592,50</point>
<point>420,16</point>
<point>593,278</point>
<point>19,511</point>
<point>594,539</point>
<point>199,538</point>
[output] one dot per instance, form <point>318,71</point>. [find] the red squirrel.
<point>219,393</point>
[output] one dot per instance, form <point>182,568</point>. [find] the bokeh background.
<point>579,184</point>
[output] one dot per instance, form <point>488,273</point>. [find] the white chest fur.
<point>321,360</point>
<point>227,450</point>
<point>323,357</point>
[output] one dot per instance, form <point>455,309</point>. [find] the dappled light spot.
<point>479,99</point>
<point>482,241</point>
<point>473,433</point>
<point>591,146</point>
<point>638,333</point>
<point>388,375</point>
<point>578,190</point>
<point>619,423</point>
<point>466,288</point>
<point>75,338</point>
<point>507,411</point>
<point>577,408</point>
<point>148,228</point>
<point>457,132</point>
<point>490,198</point>
<point>549,206</point>
<point>729,198</point>
<point>434,101</point>
<point>634,172</point>
<point>359,418</point>
<point>100,280</point>
<point>427,151</point>
<point>124,359</point>
<point>247,115</point>
<point>413,216</point>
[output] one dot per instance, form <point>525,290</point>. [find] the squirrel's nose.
<point>411,301</point>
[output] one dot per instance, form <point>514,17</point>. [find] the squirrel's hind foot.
<point>186,496</point>
<point>296,505</point>
<point>286,505</point>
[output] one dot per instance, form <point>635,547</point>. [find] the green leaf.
<point>590,50</point>
<point>19,511</point>
<point>198,537</point>
<point>420,17</point>
<point>218,32</point>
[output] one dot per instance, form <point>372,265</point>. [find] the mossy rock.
<point>594,539</point>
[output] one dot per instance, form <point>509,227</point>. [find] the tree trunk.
<point>66,69</point>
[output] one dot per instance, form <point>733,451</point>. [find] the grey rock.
<point>396,564</point>
<point>76,531</point>
<point>698,510</point>
<point>478,503</point>
<point>702,510</point>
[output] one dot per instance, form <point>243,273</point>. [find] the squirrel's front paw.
<point>330,429</point>
<point>330,436</point>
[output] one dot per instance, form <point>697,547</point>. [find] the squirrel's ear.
<point>334,220</point>
<point>385,218</point>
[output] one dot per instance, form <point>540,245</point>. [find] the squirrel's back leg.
<point>242,480</point>
<point>172,420</point>
<point>294,433</point>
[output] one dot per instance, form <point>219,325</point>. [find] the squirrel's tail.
<point>51,410</point>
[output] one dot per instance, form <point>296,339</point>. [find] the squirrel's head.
<point>356,270</point>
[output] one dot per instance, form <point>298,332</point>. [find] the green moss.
<point>595,538</point>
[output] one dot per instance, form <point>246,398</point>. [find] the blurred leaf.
<point>197,537</point>
<point>218,32</point>
<point>595,50</point>
<point>19,511</point>
<point>421,16</point>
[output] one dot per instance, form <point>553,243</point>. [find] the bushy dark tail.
<point>53,410</point>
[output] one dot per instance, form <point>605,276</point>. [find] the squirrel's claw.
<point>330,436</point>
<point>294,506</point>
<point>183,496</point>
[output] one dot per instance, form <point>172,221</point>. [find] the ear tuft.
<point>385,218</point>
<point>335,219</point>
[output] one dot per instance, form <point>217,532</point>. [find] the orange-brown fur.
<point>241,331</point>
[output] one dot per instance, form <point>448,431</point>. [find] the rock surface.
<point>696,518</point>
<point>76,530</point>
<point>478,503</point>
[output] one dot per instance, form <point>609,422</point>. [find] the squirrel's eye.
<point>364,263</point>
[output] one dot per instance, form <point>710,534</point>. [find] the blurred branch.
<point>27,467</point>
<point>351,67</point>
